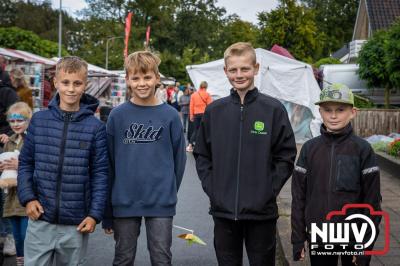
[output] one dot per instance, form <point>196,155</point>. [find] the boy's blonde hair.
<point>240,48</point>
<point>142,61</point>
<point>71,64</point>
<point>18,77</point>
<point>20,107</point>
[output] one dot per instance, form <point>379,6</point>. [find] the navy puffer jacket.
<point>64,163</point>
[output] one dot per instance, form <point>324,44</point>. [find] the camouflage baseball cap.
<point>338,93</point>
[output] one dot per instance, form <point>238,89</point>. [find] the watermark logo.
<point>356,232</point>
<point>258,128</point>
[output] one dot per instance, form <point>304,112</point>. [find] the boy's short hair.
<point>22,108</point>
<point>142,61</point>
<point>336,93</point>
<point>238,49</point>
<point>71,64</point>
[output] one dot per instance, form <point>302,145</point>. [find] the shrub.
<point>394,148</point>
<point>381,146</point>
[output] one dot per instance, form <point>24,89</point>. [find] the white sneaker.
<point>9,246</point>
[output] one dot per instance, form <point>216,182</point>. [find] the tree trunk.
<point>387,97</point>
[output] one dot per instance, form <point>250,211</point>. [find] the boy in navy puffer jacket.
<point>63,171</point>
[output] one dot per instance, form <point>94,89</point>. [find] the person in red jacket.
<point>198,103</point>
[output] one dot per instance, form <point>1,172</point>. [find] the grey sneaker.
<point>9,246</point>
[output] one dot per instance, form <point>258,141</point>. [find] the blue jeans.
<point>5,224</point>
<point>19,225</point>
<point>159,239</point>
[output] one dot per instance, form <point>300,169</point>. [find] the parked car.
<point>348,75</point>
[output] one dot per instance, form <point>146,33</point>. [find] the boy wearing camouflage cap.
<point>333,169</point>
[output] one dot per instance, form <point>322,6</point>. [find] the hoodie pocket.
<point>347,173</point>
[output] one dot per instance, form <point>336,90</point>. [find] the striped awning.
<point>26,56</point>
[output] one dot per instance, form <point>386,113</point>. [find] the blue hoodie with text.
<point>147,156</point>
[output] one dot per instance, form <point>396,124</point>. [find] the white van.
<point>347,74</point>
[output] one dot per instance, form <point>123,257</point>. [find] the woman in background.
<point>17,78</point>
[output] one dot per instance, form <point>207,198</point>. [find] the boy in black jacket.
<point>333,169</point>
<point>245,150</point>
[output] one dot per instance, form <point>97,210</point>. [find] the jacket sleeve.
<point>202,153</point>
<point>99,175</point>
<point>283,150</point>
<point>371,189</point>
<point>178,144</point>
<point>26,187</point>
<point>108,213</point>
<point>191,107</point>
<point>299,190</point>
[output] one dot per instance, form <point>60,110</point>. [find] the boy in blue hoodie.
<point>147,155</point>
<point>63,171</point>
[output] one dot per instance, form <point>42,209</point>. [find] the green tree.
<point>38,17</point>
<point>372,62</point>
<point>291,26</point>
<point>235,30</point>
<point>393,54</point>
<point>335,20</point>
<point>105,19</point>
<point>16,38</point>
<point>198,24</point>
<point>327,61</point>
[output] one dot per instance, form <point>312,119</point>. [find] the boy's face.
<point>240,71</point>
<point>143,85</point>
<point>336,116</point>
<point>70,87</point>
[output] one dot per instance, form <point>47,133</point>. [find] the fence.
<point>376,121</point>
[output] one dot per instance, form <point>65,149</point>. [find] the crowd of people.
<point>190,103</point>
<point>74,171</point>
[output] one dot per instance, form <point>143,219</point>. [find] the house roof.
<point>341,52</point>
<point>382,13</point>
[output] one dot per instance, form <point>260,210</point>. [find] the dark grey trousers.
<point>159,240</point>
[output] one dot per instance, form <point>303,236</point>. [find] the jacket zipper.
<point>238,163</point>
<point>67,118</point>
<point>330,174</point>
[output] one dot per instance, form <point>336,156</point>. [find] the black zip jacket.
<point>332,170</point>
<point>244,155</point>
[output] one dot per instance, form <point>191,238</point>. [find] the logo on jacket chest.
<point>258,128</point>
<point>138,133</point>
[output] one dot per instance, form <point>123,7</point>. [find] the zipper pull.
<point>241,113</point>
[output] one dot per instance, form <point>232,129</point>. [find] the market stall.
<point>34,68</point>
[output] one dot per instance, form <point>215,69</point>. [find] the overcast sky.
<point>246,9</point>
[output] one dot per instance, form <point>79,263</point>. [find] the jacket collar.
<point>336,138</point>
<point>14,137</point>
<point>250,96</point>
<point>88,105</point>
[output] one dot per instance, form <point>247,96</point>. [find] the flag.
<point>147,35</point>
<point>128,20</point>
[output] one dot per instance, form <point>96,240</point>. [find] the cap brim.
<point>333,101</point>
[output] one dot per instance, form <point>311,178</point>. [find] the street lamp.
<point>59,30</point>
<point>109,39</point>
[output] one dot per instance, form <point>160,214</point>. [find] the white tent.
<point>288,80</point>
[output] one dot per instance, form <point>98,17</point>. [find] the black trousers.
<point>259,238</point>
<point>196,122</point>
